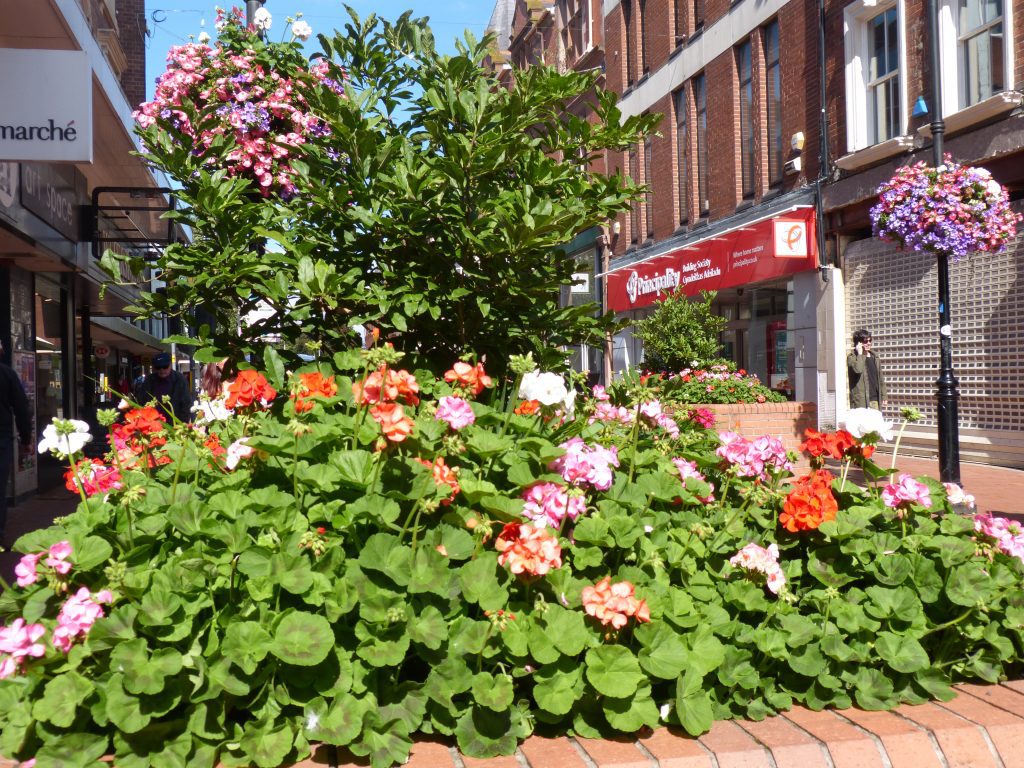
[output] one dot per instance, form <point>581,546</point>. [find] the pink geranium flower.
<point>906,490</point>
<point>528,550</point>
<point>57,557</point>
<point>455,411</point>
<point>25,570</point>
<point>19,642</point>
<point>757,559</point>
<point>550,503</point>
<point>585,464</point>
<point>77,616</point>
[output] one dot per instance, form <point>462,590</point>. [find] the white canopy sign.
<point>45,106</point>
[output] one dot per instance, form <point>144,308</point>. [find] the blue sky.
<point>172,21</point>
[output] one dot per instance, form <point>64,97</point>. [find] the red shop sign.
<point>776,247</point>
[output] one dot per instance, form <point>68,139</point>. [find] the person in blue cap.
<point>167,390</point>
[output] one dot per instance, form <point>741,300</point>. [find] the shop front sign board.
<point>46,99</point>
<point>768,249</point>
<point>51,193</point>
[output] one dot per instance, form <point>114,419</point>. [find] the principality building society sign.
<point>45,106</point>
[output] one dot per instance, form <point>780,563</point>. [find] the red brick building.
<point>744,88</point>
<point>879,86</point>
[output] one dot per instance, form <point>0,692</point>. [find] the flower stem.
<point>896,445</point>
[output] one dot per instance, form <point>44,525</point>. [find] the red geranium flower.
<point>250,387</point>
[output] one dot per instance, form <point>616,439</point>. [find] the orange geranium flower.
<point>385,385</point>
<point>613,604</point>
<point>528,549</point>
<point>395,425</point>
<point>443,475</point>
<point>471,377</point>
<point>249,387</point>
<point>312,385</point>
<point>143,421</point>
<point>810,503</point>
<point>527,407</point>
<point>838,445</point>
<point>214,444</point>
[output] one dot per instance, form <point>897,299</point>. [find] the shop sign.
<point>8,184</point>
<point>101,351</point>
<point>50,192</point>
<point>763,251</point>
<point>47,105</point>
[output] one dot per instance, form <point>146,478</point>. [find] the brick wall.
<point>783,420</point>
<point>131,23</point>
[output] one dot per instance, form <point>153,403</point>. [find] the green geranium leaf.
<point>902,653</point>
<point>429,628</point>
<point>267,745</point>
<point>663,652</point>
<point>558,686</point>
<point>246,643</point>
<point>338,724</point>
<point>479,581</point>
<point>123,709</point>
<point>61,699</point>
<point>969,584</point>
<point>567,629</point>
<point>303,639</point>
<point>633,713</point>
<point>493,691</point>
<point>693,705</point>
<point>484,733</point>
<point>872,689</point>
<point>72,750</point>
<point>613,670</point>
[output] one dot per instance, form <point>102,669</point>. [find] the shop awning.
<point>774,247</point>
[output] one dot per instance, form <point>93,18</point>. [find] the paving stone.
<point>790,747</point>
<point>906,745</point>
<point>430,754</point>
<point>541,752</point>
<point>961,742</point>
<point>996,695</point>
<point>675,749</point>
<point>614,753</point>
<point>1004,728</point>
<point>504,761</point>
<point>733,747</point>
<point>848,746</point>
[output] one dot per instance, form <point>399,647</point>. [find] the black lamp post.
<point>947,394</point>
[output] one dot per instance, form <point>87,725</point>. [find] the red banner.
<point>776,247</point>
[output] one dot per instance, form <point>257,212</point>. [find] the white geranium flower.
<point>569,403</point>
<point>301,30</point>
<point>864,422</point>
<point>262,19</point>
<point>664,710</point>
<point>957,495</point>
<point>545,388</point>
<point>204,38</point>
<point>208,410</point>
<point>237,451</point>
<point>994,188</point>
<point>65,437</point>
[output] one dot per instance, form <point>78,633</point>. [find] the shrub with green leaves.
<point>380,183</point>
<point>375,554</point>
<point>681,333</point>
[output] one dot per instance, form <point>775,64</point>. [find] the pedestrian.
<point>165,385</point>
<point>14,412</point>
<point>213,380</point>
<point>867,383</point>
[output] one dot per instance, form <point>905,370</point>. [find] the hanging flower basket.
<point>953,209</point>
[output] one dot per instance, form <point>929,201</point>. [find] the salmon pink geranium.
<point>528,550</point>
<point>614,604</point>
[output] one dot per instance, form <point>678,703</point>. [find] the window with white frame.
<point>875,72</point>
<point>977,61</point>
<point>981,52</point>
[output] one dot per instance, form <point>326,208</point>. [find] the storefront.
<point>752,269</point>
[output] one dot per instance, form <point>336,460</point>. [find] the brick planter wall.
<point>785,420</point>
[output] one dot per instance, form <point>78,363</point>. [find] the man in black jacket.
<point>14,411</point>
<point>165,382</point>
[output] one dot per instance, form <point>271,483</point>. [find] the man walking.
<point>167,390</point>
<point>14,412</point>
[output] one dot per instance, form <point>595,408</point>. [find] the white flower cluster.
<point>869,425</point>
<point>548,389</point>
<point>65,437</point>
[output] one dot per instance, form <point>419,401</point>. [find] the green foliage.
<point>435,208</point>
<point>681,333</point>
<point>329,590</point>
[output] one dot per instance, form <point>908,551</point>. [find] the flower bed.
<point>360,556</point>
